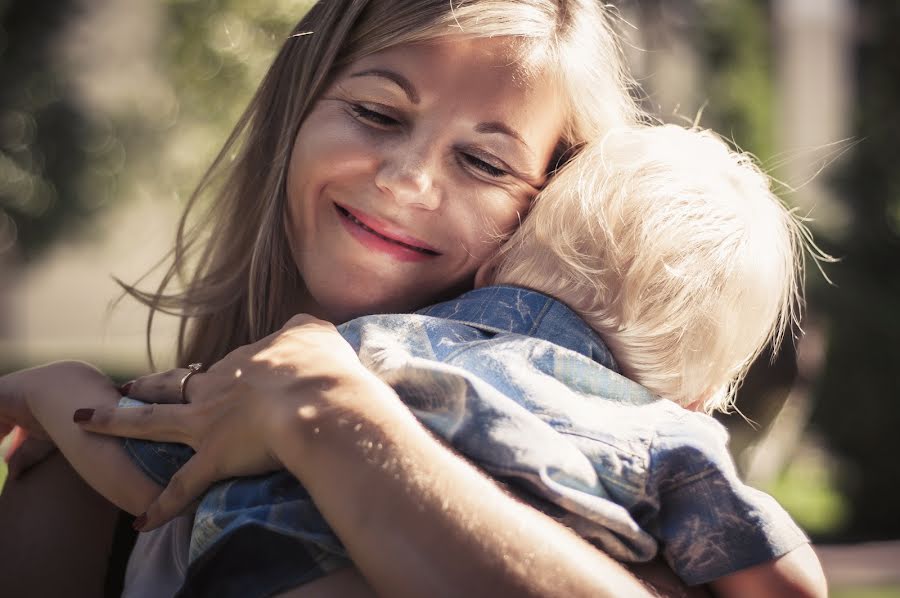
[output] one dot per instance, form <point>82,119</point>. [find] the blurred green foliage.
<point>808,490</point>
<point>215,53</point>
<point>63,158</point>
<point>55,160</point>
<point>735,93</point>
<point>734,38</point>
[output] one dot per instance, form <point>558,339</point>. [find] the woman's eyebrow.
<point>394,77</point>
<point>496,126</point>
<point>411,93</point>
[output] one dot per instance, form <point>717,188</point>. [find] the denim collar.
<point>517,310</point>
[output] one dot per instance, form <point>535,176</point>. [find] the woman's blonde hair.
<point>674,249</point>
<point>239,282</point>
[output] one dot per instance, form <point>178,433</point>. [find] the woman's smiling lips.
<point>380,236</point>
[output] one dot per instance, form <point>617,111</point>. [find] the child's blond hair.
<point>674,249</point>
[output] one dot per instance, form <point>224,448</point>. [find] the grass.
<point>3,446</point>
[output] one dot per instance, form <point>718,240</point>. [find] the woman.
<point>389,149</point>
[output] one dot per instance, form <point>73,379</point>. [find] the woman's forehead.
<point>433,62</point>
<point>477,78</point>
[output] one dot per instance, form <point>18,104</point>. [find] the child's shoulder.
<point>688,445</point>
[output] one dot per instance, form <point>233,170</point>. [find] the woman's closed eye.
<point>485,167</point>
<point>373,117</point>
<point>467,159</point>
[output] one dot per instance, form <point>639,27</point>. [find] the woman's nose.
<point>409,179</point>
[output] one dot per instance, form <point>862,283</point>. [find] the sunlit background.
<point>111,109</point>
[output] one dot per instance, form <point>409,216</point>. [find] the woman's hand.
<point>235,410</point>
<point>228,431</point>
<point>29,443</point>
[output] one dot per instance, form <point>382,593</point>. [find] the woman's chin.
<point>366,301</point>
<point>366,307</point>
<point>351,285</point>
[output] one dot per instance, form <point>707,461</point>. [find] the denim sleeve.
<point>710,524</point>
<point>159,460</point>
<point>500,430</point>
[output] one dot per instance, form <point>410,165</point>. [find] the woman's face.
<point>407,169</point>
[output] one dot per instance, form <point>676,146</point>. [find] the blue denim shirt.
<point>520,385</point>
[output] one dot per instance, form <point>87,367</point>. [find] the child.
<point>675,255</point>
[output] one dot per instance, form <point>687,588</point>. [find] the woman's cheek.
<point>482,235</point>
<point>503,216</point>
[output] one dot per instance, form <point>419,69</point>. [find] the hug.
<point>461,311</point>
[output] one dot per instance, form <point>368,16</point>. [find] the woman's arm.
<point>417,519</point>
<point>57,531</point>
<point>51,393</point>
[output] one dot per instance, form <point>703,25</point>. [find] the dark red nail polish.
<point>123,390</point>
<point>139,522</point>
<point>82,415</point>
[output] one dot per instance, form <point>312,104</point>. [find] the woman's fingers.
<point>186,486</point>
<point>162,387</point>
<point>304,320</point>
<point>162,423</point>
<point>166,387</point>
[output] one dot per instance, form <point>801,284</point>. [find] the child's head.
<point>674,249</point>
